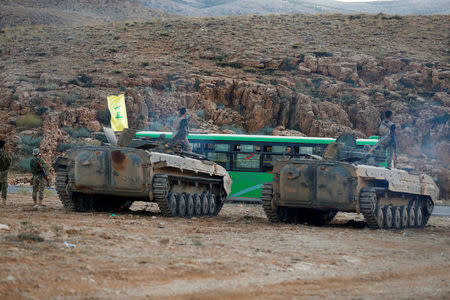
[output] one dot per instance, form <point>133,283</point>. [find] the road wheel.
<point>388,217</point>
<point>211,204</point>
<point>379,217</point>
<point>181,205</point>
<point>204,203</point>
<point>412,216</point>
<point>397,218</point>
<point>404,216</point>
<point>419,217</point>
<point>172,203</point>
<point>197,205</point>
<point>189,205</point>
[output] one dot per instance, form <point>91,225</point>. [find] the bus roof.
<point>253,138</point>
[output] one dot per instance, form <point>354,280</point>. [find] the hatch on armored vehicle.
<point>349,180</point>
<point>110,178</point>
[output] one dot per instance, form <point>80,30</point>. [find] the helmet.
<point>35,151</point>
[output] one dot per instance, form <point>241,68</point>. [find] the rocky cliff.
<point>317,75</point>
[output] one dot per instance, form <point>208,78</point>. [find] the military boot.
<point>4,202</point>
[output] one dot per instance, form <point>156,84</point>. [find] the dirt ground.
<point>238,254</point>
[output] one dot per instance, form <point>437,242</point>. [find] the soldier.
<point>386,130</point>
<point>39,172</point>
<point>5,163</point>
<point>180,129</point>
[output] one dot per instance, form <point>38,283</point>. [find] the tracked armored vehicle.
<point>110,178</point>
<point>312,190</point>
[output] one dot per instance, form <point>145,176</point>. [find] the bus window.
<point>222,147</point>
<point>196,147</point>
<point>267,148</point>
<point>306,150</point>
<point>247,148</point>
<point>209,147</point>
<point>219,158</point>
<point>247,161</point>
<point>279,149</point>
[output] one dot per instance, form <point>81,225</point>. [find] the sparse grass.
<point>79,132</point>
<point>29,121</point>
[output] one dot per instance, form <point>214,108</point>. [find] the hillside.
<point>70,12</point>
<point>318,74</point>
<point>234,7</point>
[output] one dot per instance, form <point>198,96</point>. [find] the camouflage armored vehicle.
<point>110,178</point>
<point>312,190</point>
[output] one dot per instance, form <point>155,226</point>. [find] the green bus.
<point>249,159</point>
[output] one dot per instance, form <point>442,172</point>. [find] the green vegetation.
<point>80,132</point>
<point>29,121</point>
<point>441,119</point>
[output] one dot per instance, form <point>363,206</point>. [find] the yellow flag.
<point>118,110</point>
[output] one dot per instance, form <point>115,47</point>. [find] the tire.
<point>172,203</point>
<point>419,217</point>
<point>412,216</point>
<point>397,218</point>
<point>379,217</point>
<point>197,205</point>
<point>204,203</point>
<point>189,206</point>
<point>404,216</point>
<point>181,205</point>
<point>211,204</point>
<point>388,216</point>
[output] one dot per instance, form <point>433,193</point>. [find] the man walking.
<point>39,172</point>
<point>5,163</point>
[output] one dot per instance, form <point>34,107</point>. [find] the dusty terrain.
<point>239,254</point>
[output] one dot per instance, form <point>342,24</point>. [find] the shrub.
<point>197,84</point>
<point>29,121</point>
<point>77,132</point>
<point>29,143</point>
<point>441,119</point>
<point>406,83</point>
<point>70,99</point>
<point>317,82</point>
<point>267,130</point>
<point>201,113</point>
<point>42,110</point>
<point>104,116</point>
<point>64,147</point>
<point>101,137</point>
<point>323,54</point>
<point>249,70</point>
<point>24,164</point>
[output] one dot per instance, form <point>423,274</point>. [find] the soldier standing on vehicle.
<point>39,172</point>
<point>5,163</point>
<point>180,129</point>
<point>386,130</point>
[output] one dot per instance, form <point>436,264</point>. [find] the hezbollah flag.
<point>118,110</point>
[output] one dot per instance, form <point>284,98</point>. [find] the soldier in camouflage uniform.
<point>5,162</point>
<point>386,130</point>
<point>39,172</point>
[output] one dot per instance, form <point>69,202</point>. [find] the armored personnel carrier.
<point>110,178</point>
<point>312,190</point>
